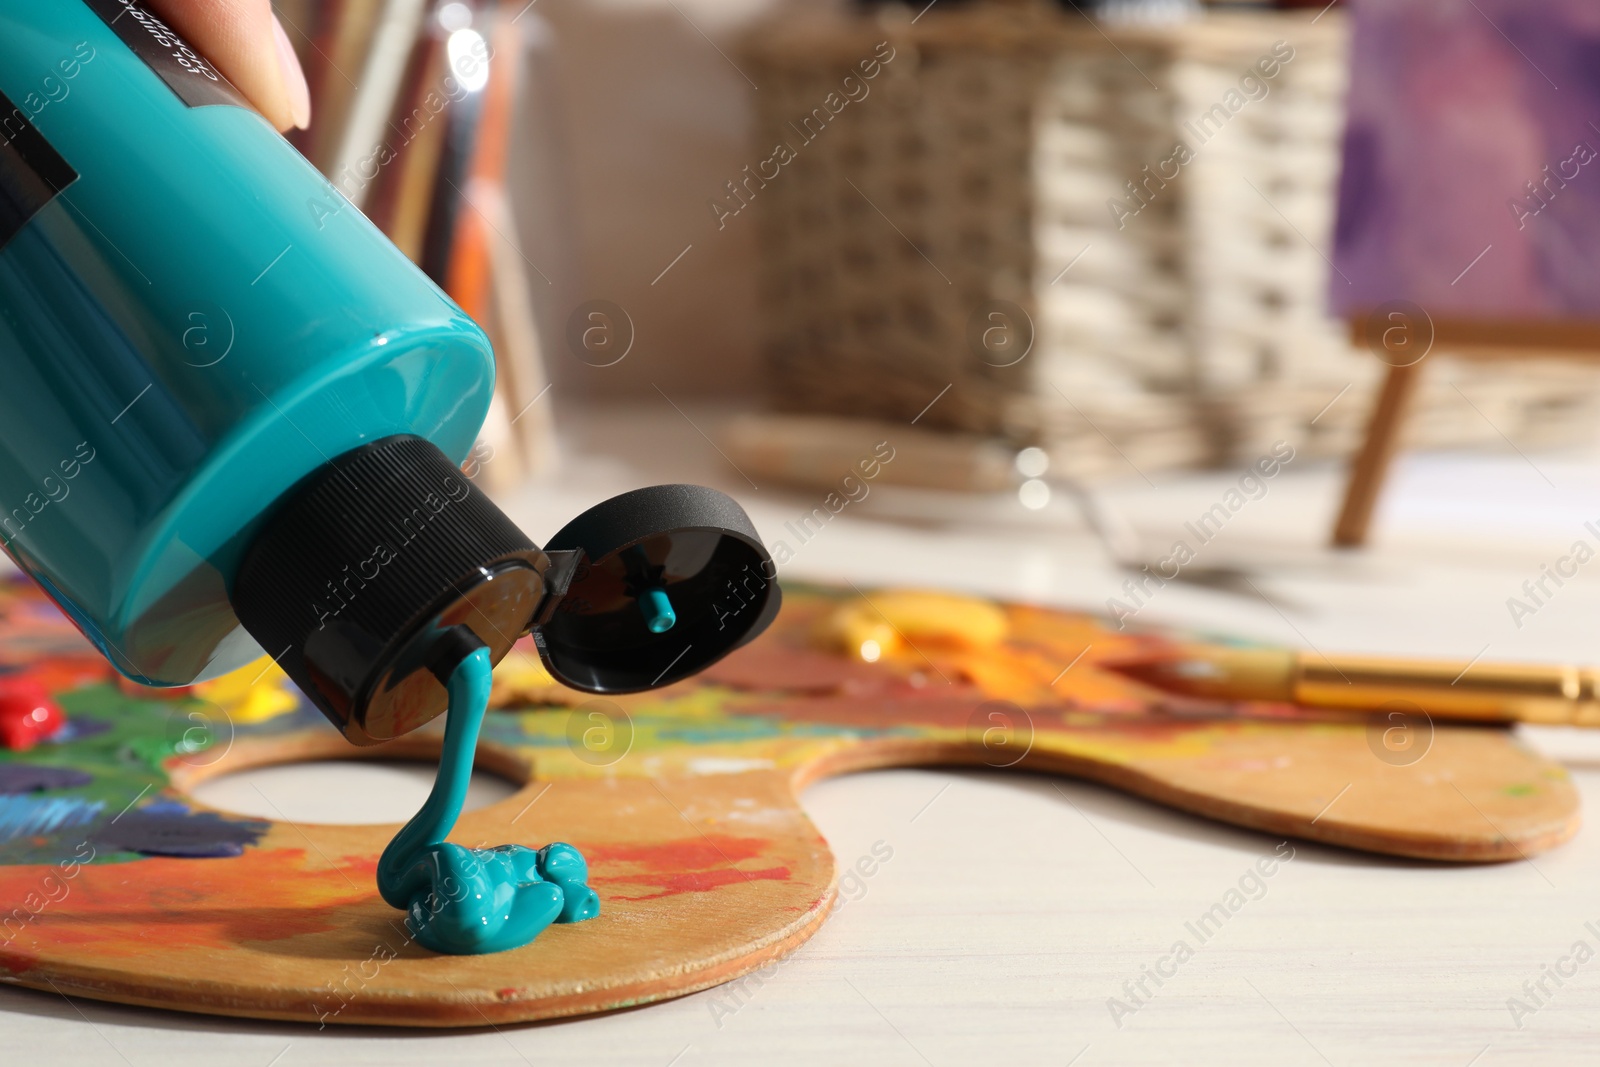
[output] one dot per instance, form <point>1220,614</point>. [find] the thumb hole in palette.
<point>360,792</point>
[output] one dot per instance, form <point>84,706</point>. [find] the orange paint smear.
<point>686,865</point>
<point>684,853</point>
<point>129,910</point>
<point>772,666</point>
<point>671,885</point>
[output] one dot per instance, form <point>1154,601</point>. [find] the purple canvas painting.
<point>1471,180</point>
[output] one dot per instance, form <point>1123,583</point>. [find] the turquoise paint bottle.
<point>193,320</point>
<point>231,414</point>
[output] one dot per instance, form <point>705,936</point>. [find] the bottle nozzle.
<point>658,613</point>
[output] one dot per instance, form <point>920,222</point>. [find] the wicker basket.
<point>918,238</point>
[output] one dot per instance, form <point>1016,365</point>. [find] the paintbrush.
<point>1467,690</point>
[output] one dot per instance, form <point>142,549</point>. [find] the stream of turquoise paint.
<point>467,901</point>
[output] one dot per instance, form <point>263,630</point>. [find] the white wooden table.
<point>1007,918</point>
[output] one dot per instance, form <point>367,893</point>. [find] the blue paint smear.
<point>30,816</point>
<point>169,828</point>
<point>18,778</point>
<point>77,729</point>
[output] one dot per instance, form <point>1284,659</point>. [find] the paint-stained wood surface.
<point>684,801</point>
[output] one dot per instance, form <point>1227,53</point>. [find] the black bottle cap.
<point>368,571</point>
<point>374,575</point>
<point>692,543</point>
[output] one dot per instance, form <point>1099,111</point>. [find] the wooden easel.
<point>1463,338</point>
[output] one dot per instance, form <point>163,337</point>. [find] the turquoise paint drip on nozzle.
<point>232,414</point>
<point>658,613</point>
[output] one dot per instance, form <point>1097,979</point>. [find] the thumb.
<point>247,44</point>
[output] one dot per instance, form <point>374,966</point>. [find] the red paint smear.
<point>686,853</point>
<point>128,910</point>
<point>769,666</point>
<point>687,865</point>
<point>27,714</point>
<point>695,881</point>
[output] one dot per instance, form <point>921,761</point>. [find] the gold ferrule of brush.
<point>1498,693</point>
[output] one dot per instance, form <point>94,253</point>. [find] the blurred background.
<point>1080,268</point>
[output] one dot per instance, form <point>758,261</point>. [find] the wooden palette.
<point>684,801</point>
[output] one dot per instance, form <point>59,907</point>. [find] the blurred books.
<point>412,107</point>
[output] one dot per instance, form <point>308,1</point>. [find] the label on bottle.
<point>31,171</point>
<point>187,73</point>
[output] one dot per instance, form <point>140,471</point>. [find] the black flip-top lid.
<point>375,574</point>
<point>695,544</point>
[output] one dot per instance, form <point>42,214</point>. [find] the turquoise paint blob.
<point>468,901</point>
<point>658,613</point>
